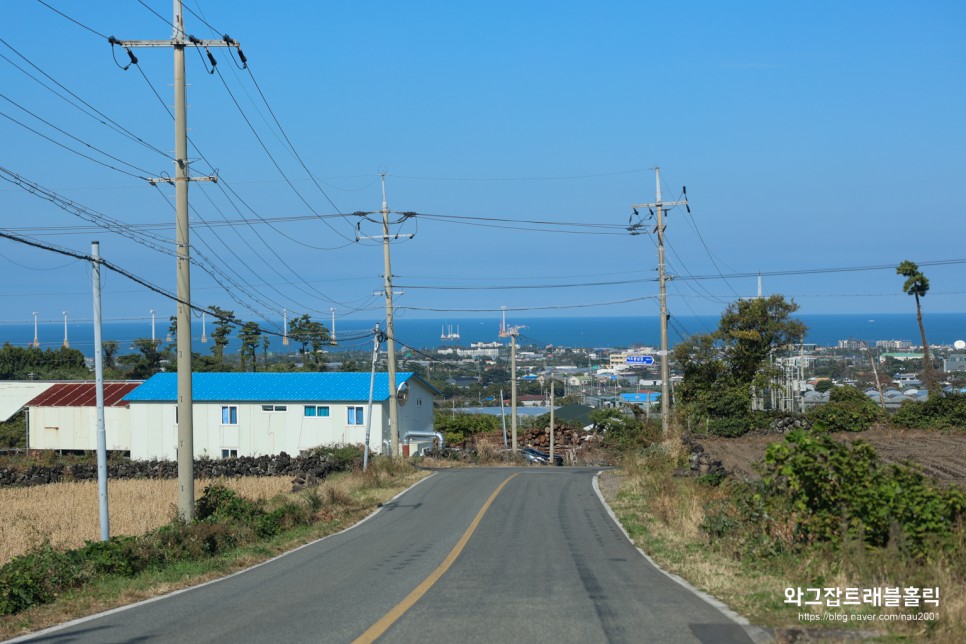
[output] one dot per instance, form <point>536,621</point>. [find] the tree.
<point>224,321</point>
<point>249,336</point>
<point>143,365</point>
<point>310,335</point>
<point>721,367</point>
<point>917,285</point>
<point>752,329</point>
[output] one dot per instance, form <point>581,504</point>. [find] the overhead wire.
<point>131,276</point>
<point>150,85</point>
<point>275,162</point>
<point>75,138</point>
<point>90,110</point>
<point>226,188</point>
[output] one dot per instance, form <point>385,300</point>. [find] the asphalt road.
<point>457,558</point>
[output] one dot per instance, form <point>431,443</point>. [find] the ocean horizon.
<point>590,332</point>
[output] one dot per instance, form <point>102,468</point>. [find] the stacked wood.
<point>562,437</point>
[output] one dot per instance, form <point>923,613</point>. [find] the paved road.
<point>458,558</point>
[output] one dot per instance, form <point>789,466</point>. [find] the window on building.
<point>274,408</point>
<point>229,453</point>
<point>320,411</point>
<point>229,415</point>
<point>355,415</point>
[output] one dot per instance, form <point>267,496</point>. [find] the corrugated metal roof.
<point>83,394</point>
<point>270,387</point>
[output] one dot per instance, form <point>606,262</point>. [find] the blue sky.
<point>811,136</point>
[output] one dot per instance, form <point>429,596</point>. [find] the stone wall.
<point>301,468</point>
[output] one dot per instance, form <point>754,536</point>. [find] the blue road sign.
<point>646,360</point>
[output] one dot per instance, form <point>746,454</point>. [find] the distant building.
<point>907,380</point>
<point>902,357</point>
<point>895,345</point>
<point>618,360</point>
<point>481,350</point>
<point>851,345</point>
<point>954,362</point>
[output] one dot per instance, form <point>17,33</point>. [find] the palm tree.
<point>917,285</point>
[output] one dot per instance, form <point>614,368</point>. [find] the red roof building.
<point>64,417</point>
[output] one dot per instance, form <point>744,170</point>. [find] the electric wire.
<point>225,189</point>
<point>90,111</point>
<point>68,134</point>
<point>153,90</point>
<point>273,160</point>
<point>557,307</point>
<point>131,276</point>
<point>79,24</point>
<point>70,149</point>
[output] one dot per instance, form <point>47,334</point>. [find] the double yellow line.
<point>375,631</point>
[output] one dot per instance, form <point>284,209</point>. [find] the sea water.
<point>589,332</point>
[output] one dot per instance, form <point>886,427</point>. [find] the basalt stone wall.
<point>304,468</point>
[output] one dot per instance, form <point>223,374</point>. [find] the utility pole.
<point>36,342</point>
<point>513,333</point>
<point>552,388</point>
<point>390,331</point>
<point>66,343</point>
<point>659,206</point>
<point>179,40</point>
<point>99,395</point>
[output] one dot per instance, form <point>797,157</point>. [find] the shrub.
<point>848,410</point>
<point>947,410</point>
<point>35,578</point>
<point>220,502</point>
<point>843,490</point>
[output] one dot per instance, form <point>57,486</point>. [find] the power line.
<point>79,24</point>
<point>90,111</point>
<point>527,308</point>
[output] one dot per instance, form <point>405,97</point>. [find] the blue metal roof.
<point>270,387</point>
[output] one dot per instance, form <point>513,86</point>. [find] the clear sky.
<point>811,136</point>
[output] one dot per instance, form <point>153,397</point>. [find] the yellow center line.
<point>376,630</point>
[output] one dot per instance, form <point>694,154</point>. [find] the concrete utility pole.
<point>66,343</point>
<point>552,388</point>
<point>390,331</point>
<point>659,206</point>
<point>513,333</point>
<point>179,40</point>
<point>99,395</point>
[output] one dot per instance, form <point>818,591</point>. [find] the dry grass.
<point>66,514</point>
<point>345,498</point>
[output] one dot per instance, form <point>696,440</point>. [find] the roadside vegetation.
<point>235,527</point>
<point>822,514</point>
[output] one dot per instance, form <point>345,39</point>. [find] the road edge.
<point>757,634</point>
<point>53,629</point>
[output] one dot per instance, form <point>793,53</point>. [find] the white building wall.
<point>257,432</point>
<point>76,428</point>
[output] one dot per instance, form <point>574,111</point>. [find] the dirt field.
<point>940,454</point>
